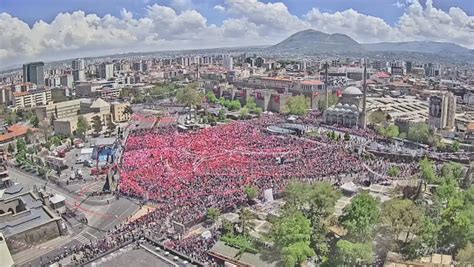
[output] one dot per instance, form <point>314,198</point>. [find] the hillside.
<point>418,47</point>
<point>312,41</point>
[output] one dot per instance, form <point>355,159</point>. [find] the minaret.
<point>326,84</point>
<point>364,99</point>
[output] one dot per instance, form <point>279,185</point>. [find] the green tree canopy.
<point>97,124</point>
<point>377,117</point>
<point>393,171</point>
<point>401,216</point>
<point>418,132</point>
<point>290,228</point>
<point>332,100</point>
<point>82,126</point>
<point>389,131</point>
<point>111,126</point>
<point>360,217</point>
<point>211,97</point>
<point>20,145</point>
<point>296,253</point>
<point>213,214</point>
<point>455,146</point>
<point>465,256</point>
<point>34,121</point>
<point>297,105</point>
<point>428,172</point>
<point>189,96</point>
<point>291,233</point>
<point>353,254</point>
<point>246,221</point>
<point>251,192</point>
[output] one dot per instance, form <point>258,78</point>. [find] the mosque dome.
<point>352,90</point>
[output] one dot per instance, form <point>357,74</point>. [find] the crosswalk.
<point>82,239</point>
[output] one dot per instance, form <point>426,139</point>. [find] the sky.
<point>58,29</point>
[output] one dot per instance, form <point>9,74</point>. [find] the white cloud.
<point>359,26</point>
<point>250,23</point>
<point>274,18</point>
<point>219,8</point>
<point>398,4</point>
<point>181,5</point>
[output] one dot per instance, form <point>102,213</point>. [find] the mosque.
<point>349,111</point>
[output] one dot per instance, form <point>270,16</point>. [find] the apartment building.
<point>118,110</point>
<point>31,99</point>
<point>59,110</point>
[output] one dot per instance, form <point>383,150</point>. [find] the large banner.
<point>268,195</point>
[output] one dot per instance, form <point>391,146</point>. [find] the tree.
<point>465,256</point>
<point>428,173</point>
<point>213,214</point>
<point>125,92</point>
<point>377,117</point>
<point>347,137</point>
<point>418,132</point>
<point>11,118</point>
<point>111,126</point>
<point>291,233</point>
<point>251,105</point>
<point>128,110</point>
<point>34,121</point>
<point>401,216</point>
<point>55,140</point>
<point>332,100</point>
<point>244,112</point>
<point>360,217</point>
<point>455,146</point>
<point>211,97</point>
<point>20,145</point>
<point>251,192</point>
<point>234,105</point>
<point>457,217</point>
<point>392,131</point>
<point>189,96</point>
<point>317,202</point>
<point>296,253</point>
<point>82,126</point>
<point>297,105</point>
<point>426,242</point>
<point>246,224</point>
<point>353,254</point>
<point>11,148</point>
<point>393,171</point>
<point>257,111</point>
<point>97,124</point>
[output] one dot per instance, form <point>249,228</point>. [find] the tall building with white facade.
<point>78,70</point>
<point>106,71</point>
<point>228,62</point>
<point>442,111</point>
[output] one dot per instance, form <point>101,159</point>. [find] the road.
<point>101,218</point>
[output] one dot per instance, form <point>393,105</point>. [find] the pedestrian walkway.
<point>34,252</point>
<point>82,239</point>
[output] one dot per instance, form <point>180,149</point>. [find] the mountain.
<point>312,41</point>
<point>419,47</point>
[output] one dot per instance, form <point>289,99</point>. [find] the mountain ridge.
<point>313,41</point>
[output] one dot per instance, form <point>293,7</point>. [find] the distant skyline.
<point>55,29</point>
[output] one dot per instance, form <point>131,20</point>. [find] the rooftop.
<point>312,82</point>
<point>35,214</point>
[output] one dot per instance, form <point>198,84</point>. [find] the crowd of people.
<point>191,172</point>
<point>185,173</point>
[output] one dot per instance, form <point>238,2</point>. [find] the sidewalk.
<point>34,252</point>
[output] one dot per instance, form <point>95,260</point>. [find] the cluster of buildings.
<point>27,217</point>
<point>440,94</point>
